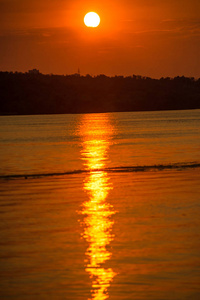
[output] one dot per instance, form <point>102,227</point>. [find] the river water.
<point>99,206</point>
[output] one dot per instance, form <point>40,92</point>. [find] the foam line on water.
<point>128,169</point>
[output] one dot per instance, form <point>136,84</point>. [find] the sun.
<point>92,19</point>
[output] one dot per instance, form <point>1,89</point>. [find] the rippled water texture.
<point>105,206</point>
<point>54,143</point>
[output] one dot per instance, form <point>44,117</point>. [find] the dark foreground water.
<point>100,206</point>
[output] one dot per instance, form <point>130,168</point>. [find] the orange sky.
<point>147,37</point>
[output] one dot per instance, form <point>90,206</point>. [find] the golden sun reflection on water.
<point>96,132</point>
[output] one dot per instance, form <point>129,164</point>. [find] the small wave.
<point>128,169</point>
<point>160,167</point>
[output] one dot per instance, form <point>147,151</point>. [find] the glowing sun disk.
<point>92,19</point>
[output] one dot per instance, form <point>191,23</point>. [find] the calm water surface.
<point>92,216</point>
<point>55,143</point>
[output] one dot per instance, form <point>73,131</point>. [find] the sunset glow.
<point>155,39</point>
<point>99,149</point>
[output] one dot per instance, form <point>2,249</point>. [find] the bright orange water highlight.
<point>97,211</point>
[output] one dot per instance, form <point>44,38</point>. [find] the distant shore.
<point>29,93</point>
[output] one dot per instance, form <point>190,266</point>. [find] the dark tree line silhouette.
<point>27,93</point>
